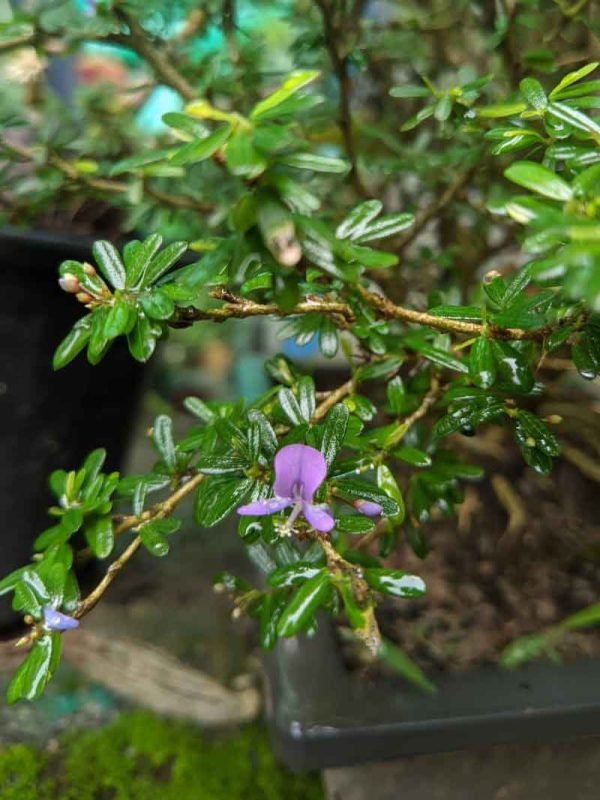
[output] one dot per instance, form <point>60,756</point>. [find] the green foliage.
<point>141,756</point>
<point>377,240</point>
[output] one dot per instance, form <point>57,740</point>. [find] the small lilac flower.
<point>57,621</point>
<point>299,471</point>
<point>368,508</point>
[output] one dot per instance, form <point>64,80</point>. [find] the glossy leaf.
<point>300,611</point>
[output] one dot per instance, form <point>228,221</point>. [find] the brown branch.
<point>434,209</point>
<point>239,308</point>
<point>339,62</point>
<point>332,398</point>
<point>160,63</point>
<point>105,184</point>
<point>159,511</point>
<point>389,310</point>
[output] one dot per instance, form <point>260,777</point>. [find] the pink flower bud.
<point>84,297</point>
<point>368,508</point>
<point>69,283</point>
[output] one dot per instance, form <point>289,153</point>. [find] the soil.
<point>490,581</point>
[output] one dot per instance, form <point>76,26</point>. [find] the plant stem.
<point>239,308</point>
<point>159,511</point>
<point>339,62</point>
<point>161,64</point>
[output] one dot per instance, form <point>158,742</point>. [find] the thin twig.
<point>160,63</point>
<point>434,209</point>
<point>239,308</point>
<point>339,62</point>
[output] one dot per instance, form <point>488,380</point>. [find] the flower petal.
<point>262,507</point>
<point>299,464</point>
<point>56,621</point>
<point>368,508</point>
<point>319,517</point>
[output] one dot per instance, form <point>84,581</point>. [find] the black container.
<point>322,716</point>
<point>48,419</point>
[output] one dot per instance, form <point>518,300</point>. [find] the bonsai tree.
<point>431,210</point>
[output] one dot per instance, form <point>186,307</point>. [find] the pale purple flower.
<point>368,507</point>
<point>299,471</point>
<point>57,621</point>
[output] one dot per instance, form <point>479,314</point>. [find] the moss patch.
<point>142,757</point>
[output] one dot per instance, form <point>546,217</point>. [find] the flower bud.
<point>69,283</point>
<point>84,297</point>
<point>368,508</point>
<point>88,269</point>
<point>491,275</point>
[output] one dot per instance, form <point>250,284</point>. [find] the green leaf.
<point>134,163</point>
<point>524,649</point>
<point>162,262</point>
<point>293,574</point>
<point>396,659</point>
<point>223,464</point>
<point>573,77</point>
<point>138,258</point>
<point>306,398</point>
<point>576,119</point>
<point>110,264</point>
<point>409,91</point>
<point>35,671</point>
<point>100,536</point>
<point>418,458</point>
<point>354,523</point>
<point>218,496</point>
<point>513,368</point>
<point>328,338</point>
<point>363,490</point>
<point>299,612</point>
<point>387,482</point>
<point>293,83</point>
<point>334,432</point>
<point>441,357</point>
<point>582,619</point>
<point>98,343</point>
<point>501,110</point>
<point>120,319</point>
<point>463,313</point>
<point>141,340</point>
<point>242,158</point>
<point>157,304</point>
<point>162,436</point>
<point>200,149</point>
<point>271,608</point>
<point>153,538</point>
<point>267,436</point>
<point>538,432</point>
<point>482,366</point>
<point>534,93</point>
<point>199,409</point>
<point>289,406</point>
<point>388,225</point>
<point>395,582</point>
<point>315,162</point>
<point>358,219</point>
<point>73,343</point>
<point>539,179</point>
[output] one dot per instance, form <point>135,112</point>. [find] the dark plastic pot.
<point>322,716</point>
<point>48,419</point>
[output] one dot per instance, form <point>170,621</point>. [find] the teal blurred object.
<point>160,101</point>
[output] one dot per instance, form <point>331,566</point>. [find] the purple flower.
<point>299,471</point>
<point>56,621</point>
<point>368,508</point>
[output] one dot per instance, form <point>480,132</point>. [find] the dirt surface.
<point>506,567</point>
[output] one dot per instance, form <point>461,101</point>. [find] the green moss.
<point>142,757</point>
